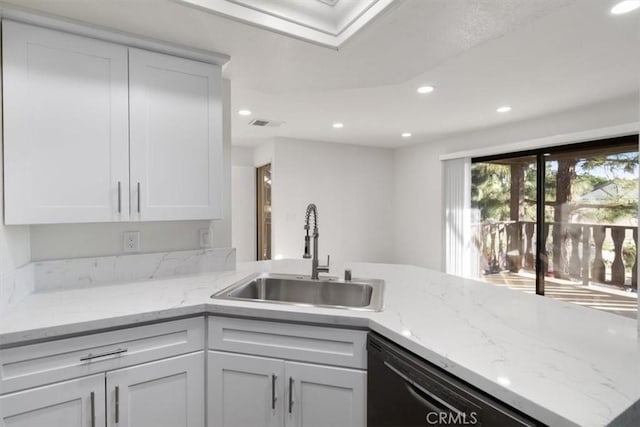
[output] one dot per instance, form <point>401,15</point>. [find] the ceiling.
<point>539,56</point>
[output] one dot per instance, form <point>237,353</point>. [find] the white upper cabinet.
<point>65,127</point>
<point>99,132</point>
<point>176,134</point>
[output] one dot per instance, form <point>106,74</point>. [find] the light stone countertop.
<point>559,363</point>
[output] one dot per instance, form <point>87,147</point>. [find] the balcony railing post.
<point>545,237</point>
<point>597,271</point>
<point>514,247</point>
<point>617,268</point>
<point>494,246</point>
<point>634,269</point>
<point>586,253</point>
<point>528,257</point>
<point>574,261</point>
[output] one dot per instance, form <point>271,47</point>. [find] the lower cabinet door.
<point>245,391</point>
<point>75,403</point>
<point>166,393</point>
<point>325,396</point>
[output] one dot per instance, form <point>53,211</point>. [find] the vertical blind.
<point>459,258</point>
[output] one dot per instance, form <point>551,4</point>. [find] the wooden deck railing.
<point>584,252</point>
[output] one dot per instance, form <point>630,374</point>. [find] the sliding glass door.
<point>561,222</point>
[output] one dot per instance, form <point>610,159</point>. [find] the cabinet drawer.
<point>37,364</point>
<point>329,346</point>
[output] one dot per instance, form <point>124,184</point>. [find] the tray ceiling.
<point>325,22</point>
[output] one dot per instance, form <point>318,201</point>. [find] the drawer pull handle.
<point>93,409</point>
<point>119,197</point>
<point>273,391</point>
<point>91,356</point>
<point>138,197</point>
<point>117,404</point>
<point>290,394</point>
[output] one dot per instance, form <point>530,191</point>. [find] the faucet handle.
<point>325,268</point>
<point>306,254</point>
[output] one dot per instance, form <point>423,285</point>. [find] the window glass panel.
<point>503,198</point>
<point>592,204</point>
<point>590,231</point>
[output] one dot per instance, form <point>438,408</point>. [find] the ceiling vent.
<point>265,123</point>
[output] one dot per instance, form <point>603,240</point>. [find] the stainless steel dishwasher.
<point>405,391</point>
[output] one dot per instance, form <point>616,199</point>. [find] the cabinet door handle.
<point>91,356</point>
<point>273,391</point>
<point>119,197</point>
<point>93,409</point>
<point>117,417</point>
<point>138,197</point>
<point>290,394</point>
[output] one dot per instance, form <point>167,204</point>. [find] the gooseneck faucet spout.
<point>315,267</point>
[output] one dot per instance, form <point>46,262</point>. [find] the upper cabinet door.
<point>65,127</point>
<point>175,138</point>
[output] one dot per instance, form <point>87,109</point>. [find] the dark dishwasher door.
<point>405,391</point>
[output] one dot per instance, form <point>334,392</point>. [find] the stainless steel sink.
<point>357,294</point>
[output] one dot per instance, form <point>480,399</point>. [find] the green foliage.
<point>603,189</point>
<point>490,185</point>
<point>629,254</point>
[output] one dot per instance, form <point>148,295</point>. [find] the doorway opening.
<point>263,205</point>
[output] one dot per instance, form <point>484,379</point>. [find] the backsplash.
<point>82,272</point>
<point>15,285</point>
<point>42,276</point>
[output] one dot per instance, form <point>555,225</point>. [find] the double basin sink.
<point>356,294</point>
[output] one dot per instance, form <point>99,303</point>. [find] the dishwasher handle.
<point>424,396</point>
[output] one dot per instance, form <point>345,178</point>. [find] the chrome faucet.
<point>315,268</point>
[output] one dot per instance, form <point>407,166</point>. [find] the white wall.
<point>243,202</point>
<point>352,187</point>
<point>82,240</point>
<point>418,172</point>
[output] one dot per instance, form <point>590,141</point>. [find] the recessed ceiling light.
<point>425,89</point>
<point>503,109</point>
<point>338,125</point>
<point>406,135</point>
<point>625,7</point>
<point>244,112</point>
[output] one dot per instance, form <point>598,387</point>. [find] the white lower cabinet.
<point>245,390</point>
<point>156,375</point>
<point>257,391</point>
<point>74,403</point>
<point>323,396</point>
<point>165,393</point>
<point>145,376</point>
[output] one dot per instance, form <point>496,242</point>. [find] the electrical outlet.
<point>131,241</point>
<point>205,237</point>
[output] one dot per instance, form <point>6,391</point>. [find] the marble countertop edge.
<point>414,300</point>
